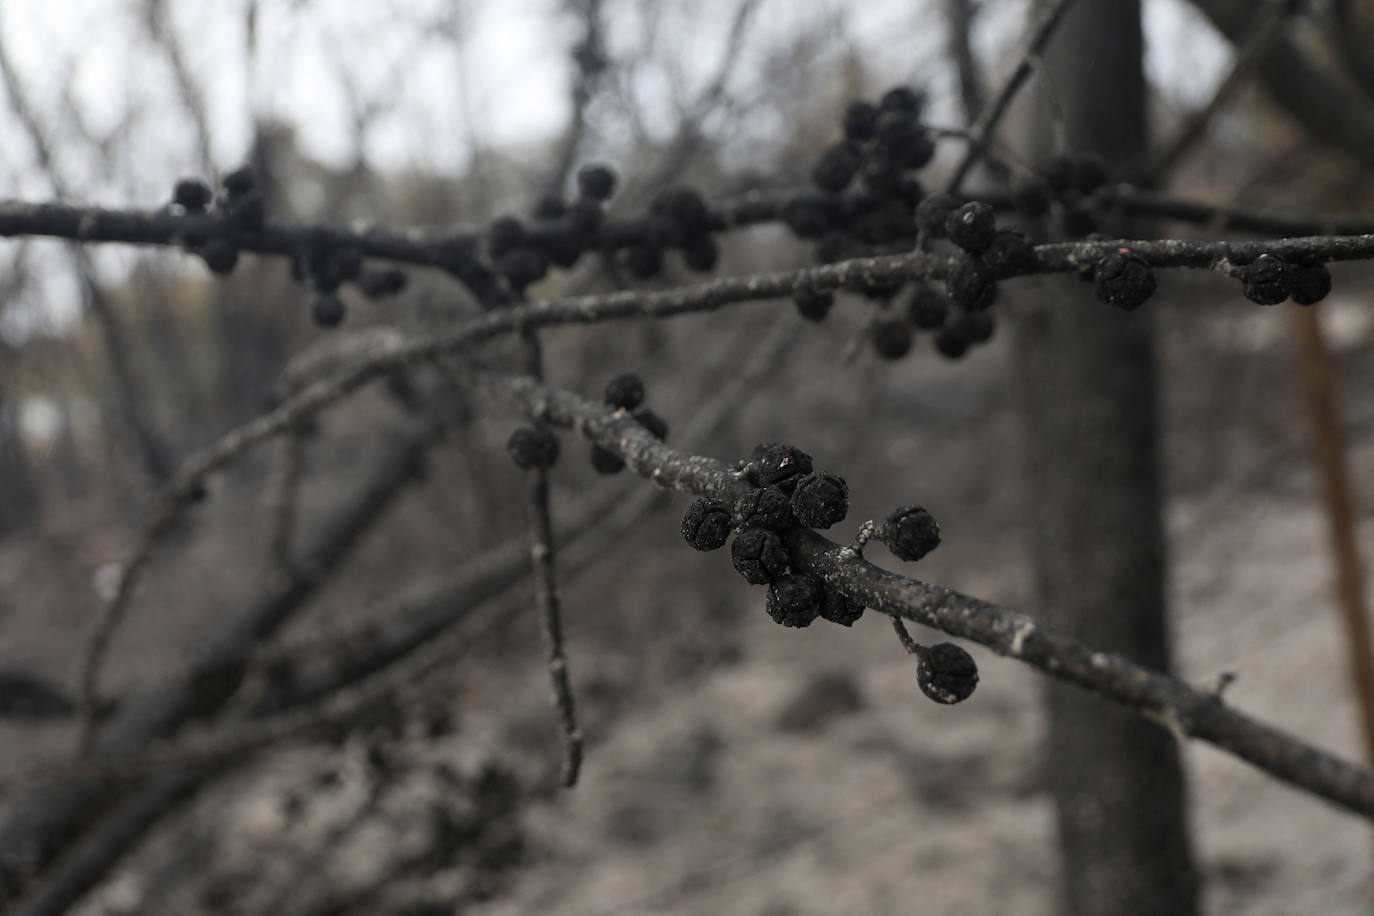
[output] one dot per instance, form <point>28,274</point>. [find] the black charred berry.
<point>971,285</point>
<point>836,608</point>
<point>532,447</point>
<point>506,234</point>
<point>782,466</point>
<point>656,425</point>
<point>1266,279</point>
<point>644,260</point>
<point>377,283</point>
<point>766,507</point>
<point>240,181</point>
<point>892,337</point>
<point>706,524</point>
<point>1009,254</point>
<point>596,181</point>
<point>947,674</point>
<point>899,131</point>
<point>911,533</point>
<point>927,306</point>
<point>976,327</point>
<point>604,462</point>
<point>820,500</point>
<point>860,120</point>
<point>881,171</point>
<point>192,194</point>
<point>759,555</point>
<point>220,255</point>
<point>972,226</point>
<point>1123,279</point>
<point>247,212</point>
<point>951,341</point>
<point>813,305</point>
<point>932,213</point>
<point>687,208</point>
<point>902,98</point>
<point>523,266</point>
<point>795,600</point>
<point>625,392</point>
<point>837,167</point>
<point>1032,198</point>
<point>328,311</point>
<point>701,253</point>
<point>1309,283</point>
<point>809,216</point>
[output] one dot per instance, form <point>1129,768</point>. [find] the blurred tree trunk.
<point>18,495</point>
<point>1086,373</point>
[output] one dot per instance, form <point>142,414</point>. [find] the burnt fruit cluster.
<point>626,392</point>
<point>1124,279</point>
<point>785,494</point>
<point>910,532</point>
<point>533,447</point>
<point>1270,279</point>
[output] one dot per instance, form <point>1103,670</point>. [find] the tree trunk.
<point>1086,373</point>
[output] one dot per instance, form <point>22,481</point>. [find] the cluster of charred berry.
<point>323,267</point>
<point>786,493</point>
<point>536,446</point>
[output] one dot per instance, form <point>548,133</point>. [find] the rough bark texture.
<point>1087,378</point>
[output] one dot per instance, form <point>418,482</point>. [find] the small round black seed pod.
<point>550,207</point>
<point>625,392</point>
<point>781,465</point>
<point>532,447</point>
<point>1309,283</point>
<point>523,266</point>
<point>971,285</point>
<point>972,226</point>
<point>910,533</point>
<point>192,195</point>
<point>701,253</point>
<point>837,166</point>
<point>1266,279</point>
<point>759,555</point>
<point>882,170</point>
<point>919,150</point>
<point>976,327</point>
<point>656,425</point>
<point>1123,279</point>
<point>932,212</point>
<point>605,462</point>
<point>248,212</point>
<point>951,342</point>
<point>860,120</point>
<point>563,248</point>
<point>836,608</point>
<point>947,674</point>
<point>706,524</point>
<point>898,131</point>
<point>927,307</point>
<point>766,507</point>
<point>505,234</point>
<point>902,98</point>
<point>1009,254</point>
<point>240,181</point>
<point>795,600</point>
<point>820,500</point>
<point>687,208</point>
<point>1062,174</point>
<point>220,255</point>
<point>584,216</point>
<point>813,305</point>
<point>809,216</point>
<point>644,260</point>
<point>892,337</point>
<point>328,311</point>
<point>596,181</point>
